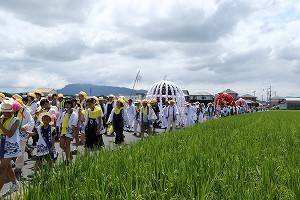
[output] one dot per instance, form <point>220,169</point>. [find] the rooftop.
<point>228,91</point>
<point>201,94</point>
<point>248,96</point>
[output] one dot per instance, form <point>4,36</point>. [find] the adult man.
<point>172,115</point>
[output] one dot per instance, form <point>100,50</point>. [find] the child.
<point>119,120</point>
<point>46,141</point>
<point>9,143</point>
<point>93,125</point>
<point>69,121</point>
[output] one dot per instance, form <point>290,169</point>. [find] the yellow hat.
<point>100,98</point>
<point>31,95</point>
<point>121,100</point>
<point>154,101</point>
<point>2,95</point>
<point>172,101</point>
<point>60,96</point>
<point>18,98</point>
<point>83,94</point>
<point>39,92</point>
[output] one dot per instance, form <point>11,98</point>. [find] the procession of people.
<point>35,122</point>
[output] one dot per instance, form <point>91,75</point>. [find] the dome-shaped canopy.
<point>164,91</point>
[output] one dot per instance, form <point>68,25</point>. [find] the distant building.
<point>186,95</point>
<point>249,97</point>
<point>290,104</point>
<point>201,97</point>
<point>275,101</point>
<point>231,92</point>
<point>47,91</point>
<point>135,97</point>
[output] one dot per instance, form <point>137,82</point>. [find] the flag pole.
<point>136,79</point>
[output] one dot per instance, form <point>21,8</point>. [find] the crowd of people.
<point>84,120</point>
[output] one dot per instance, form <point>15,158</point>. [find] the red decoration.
<point>225,99</point>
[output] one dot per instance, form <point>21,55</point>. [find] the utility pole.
<point>270,93</point>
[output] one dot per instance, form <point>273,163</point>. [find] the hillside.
<point>97,90</point>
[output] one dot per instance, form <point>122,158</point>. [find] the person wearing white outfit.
<point>136,118</point>
<point>9,143</point>
<point>200,115</point>
<point>172,115</point>
<point>131,112</point>
<point>26,123</point>
<point>189,115</point>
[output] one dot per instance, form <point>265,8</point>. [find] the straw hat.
<point>172,101</point>
<point>100,98</point>
<point>46,114</point>
<point>60,96</point>
<point>121,101</point>
<point>18,99</point>
<point>31,95</point>
<point>82,94</point>
<point>39,92</point>
<point>111,96</point>
<point>7,105</point>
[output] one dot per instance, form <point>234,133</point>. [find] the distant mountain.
<point>97,90</point>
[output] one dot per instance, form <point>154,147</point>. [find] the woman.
<point>119,119</point>
<point>9,143</point>
<point>93,125</point>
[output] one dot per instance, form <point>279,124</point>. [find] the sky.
<point>201,45</point>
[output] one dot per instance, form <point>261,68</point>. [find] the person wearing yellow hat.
<point>39,94</point>
<point>26,123</point>
<point>118,119</point>
<point>46,141</point>
<point>107,110</point>
<point>93,126</point>
<point>2,97</point>
<point>136,117</point>
<point>9,134</point>
<point>32,104</point>
<point>82,100</point>
<point>146,118</point>
<point>156,110</point>
<point>60,103</point>
<point>172,115</point>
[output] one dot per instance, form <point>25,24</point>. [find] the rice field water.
<point>253,156</point>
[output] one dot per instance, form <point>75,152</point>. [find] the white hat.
<point>7,105</point>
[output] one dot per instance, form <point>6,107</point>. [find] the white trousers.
<point>171,123</point>
<point>135,125</point>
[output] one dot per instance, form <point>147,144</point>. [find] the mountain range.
<point>97,90</point>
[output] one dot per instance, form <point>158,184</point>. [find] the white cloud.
<point>201,45</point>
